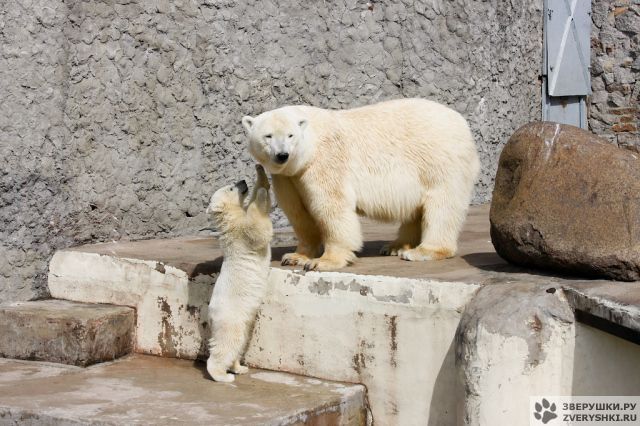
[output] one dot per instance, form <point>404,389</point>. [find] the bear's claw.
<point>394,249</point>
<point>294,259</point>
<point>321,264</point>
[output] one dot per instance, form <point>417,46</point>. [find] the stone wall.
<point>614,110</point>
<point>119,118</point>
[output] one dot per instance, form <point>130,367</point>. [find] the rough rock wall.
<point>614,111</point>
<point>144,120</point>
<point>33,138</point>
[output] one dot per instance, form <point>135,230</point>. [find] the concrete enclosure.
<point>465,340</point>
<point>119,118</point>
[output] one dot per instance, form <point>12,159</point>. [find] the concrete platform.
<point>151,390</point>
<point>66,332</point>
<point>430,340</point>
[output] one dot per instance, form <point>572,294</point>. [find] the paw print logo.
<point>545,411</point>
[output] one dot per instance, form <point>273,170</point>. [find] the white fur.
<point>412,161</point>
<point>245,238</point>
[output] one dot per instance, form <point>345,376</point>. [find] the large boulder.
<point>567,200</point>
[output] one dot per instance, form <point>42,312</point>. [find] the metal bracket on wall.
<point>566,61</point>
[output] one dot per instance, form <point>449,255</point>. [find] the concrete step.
<point>66,332</point>
<point>149,390</point>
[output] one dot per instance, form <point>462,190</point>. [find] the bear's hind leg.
<point>408,238</point>
<point>218,372</point>
<point>444,211</point>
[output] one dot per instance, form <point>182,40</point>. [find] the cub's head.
<point>227,202</point>
<point>276,140</point>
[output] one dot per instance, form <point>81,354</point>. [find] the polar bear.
<point>411,161</point>
<point>245,236</point>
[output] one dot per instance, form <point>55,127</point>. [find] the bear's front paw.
<point>294,259</point>
<point>323,264</point>
<point>425,253</point>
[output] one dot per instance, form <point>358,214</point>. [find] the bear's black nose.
<point>242,186</point>
<point>282,157</point>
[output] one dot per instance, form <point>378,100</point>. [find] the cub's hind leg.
<point>225,347</point>
<point>238,368</point>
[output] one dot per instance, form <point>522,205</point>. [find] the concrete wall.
<point>119,117</point>
<point>35,203</point>
<point>615,67</point>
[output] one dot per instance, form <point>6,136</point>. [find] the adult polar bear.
<point>411,160</point>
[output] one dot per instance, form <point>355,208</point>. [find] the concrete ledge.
<point>168,300</point>
<point>151,390</point>
<point>65,332</point>
<point>618,303</point>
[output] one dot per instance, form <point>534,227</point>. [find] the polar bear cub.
<point>245,235</point>
<point>411,161</point>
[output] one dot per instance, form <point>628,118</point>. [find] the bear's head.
<point>276,140</point>
<point>227,202</point>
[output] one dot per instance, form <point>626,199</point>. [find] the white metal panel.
<point>568,46</point>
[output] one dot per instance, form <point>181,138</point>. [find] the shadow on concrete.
<point>442,407</point>
<point>370,249</point>
<point>278,252</point>
<point>206,268</point>
<point>201,366</point>
<point>492,262</point>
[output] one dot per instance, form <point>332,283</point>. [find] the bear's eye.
<point>268,136</point>
<point>290,135</point>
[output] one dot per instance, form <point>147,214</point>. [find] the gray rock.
<point>567,200</point>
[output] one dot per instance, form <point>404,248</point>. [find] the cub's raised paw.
<point>262,181</point>
<point>423,253</point>
<point>293,259</point>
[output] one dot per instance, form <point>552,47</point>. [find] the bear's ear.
<point>247,122</point>
<point>302,124</point>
